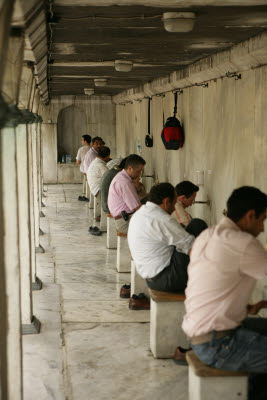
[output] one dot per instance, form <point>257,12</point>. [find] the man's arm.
<point>255,308</point>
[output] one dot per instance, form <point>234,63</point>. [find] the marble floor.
<point>91,346</point>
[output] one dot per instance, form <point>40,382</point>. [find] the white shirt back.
<point>81,156</point>
<point>95,171</point>
<point>152,236</point>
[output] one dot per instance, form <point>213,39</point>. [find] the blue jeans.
<point>245,349</point>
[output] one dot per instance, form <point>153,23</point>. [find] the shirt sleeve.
<point>79,155</point>
<point>254,260</point>
<point>177,236</point>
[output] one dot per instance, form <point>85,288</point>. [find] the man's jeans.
<point>243,350</point>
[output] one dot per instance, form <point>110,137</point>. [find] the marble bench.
<point>206,383</point>
<point>166,316</point>
<point>111,232</point>
<point>123,253</point>
<point>103,221</point>
<point>97,206</point>
<point>138,284</point>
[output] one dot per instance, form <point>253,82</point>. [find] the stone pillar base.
<point>41,233</point>
<point>37,285</point>
<point>42,204</point>
<point>42,214</point>
<point>39,249</point>
<point>33,328</point>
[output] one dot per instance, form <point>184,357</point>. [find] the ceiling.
<point>84,41</point>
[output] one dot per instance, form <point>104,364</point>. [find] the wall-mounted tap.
<point>208,202</point>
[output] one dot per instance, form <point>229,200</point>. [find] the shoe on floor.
<point>140,302</point>
<point>85,199</point>
<point>80,198</point>
<point>179,356</point>
<point>98,219</point>
<point>94,230</point>
<point>125,291</point>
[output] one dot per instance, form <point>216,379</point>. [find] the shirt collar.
<point>94,150</point>
<point>227,222</point>
<point>124,173</point>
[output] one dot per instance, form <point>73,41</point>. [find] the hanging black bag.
<point>148,139</point>
<point>172,133</point>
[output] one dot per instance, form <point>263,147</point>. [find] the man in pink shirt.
<point>225,263</point>
<point>123,199</point>
<point>92,153</point>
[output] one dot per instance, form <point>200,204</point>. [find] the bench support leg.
<point>219,388</point>
<point>165,328</point>
<point>123,255</point>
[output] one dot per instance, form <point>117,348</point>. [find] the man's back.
<point>94,174</point>
<point>81,156</point>
<point>104,187</point>
<point>224,265</point>
<point>122,195</point>
<point>152,236</point>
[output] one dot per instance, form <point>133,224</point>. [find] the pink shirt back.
<point>122,195</point>
<point>225,263</point>
<point>90,156</point>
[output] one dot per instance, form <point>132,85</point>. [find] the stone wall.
<point>225,128</point>
<point>100,121</point>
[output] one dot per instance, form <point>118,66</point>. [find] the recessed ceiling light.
<point>123,65</point>
<point>100,81</point>
<point>179,22</point>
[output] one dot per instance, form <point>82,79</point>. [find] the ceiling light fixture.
<point>89,91</point>
<point>100,81</point>
<point>123,65</point>
<point>179,22</point>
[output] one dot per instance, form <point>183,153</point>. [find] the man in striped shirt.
<point>186,194</point>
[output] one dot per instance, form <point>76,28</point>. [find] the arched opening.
<point>71,125</point>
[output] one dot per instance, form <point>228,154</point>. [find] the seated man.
<point>158,243</point>
<point>97,169</point>
<point>226,261</point>
<point>86,140</point>
<point>123,199</point>
<point>106,181</point>
<point>92,153</point>
<point>186,194</point>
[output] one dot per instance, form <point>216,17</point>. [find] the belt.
<point>211,335</point>
<point>119,216</point>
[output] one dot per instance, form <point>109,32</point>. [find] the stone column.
<point>10,244</point>
<point>36,282</point>
<point>35,186</point>
<point>3,294</point>
<point>30,324</point>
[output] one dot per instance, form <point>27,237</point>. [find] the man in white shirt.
<point>97,168</point>
<point>225,263</point>
<point>92,153</point>
<point>86,140</point>
<point>159,245</point>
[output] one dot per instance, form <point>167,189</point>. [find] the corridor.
<point>91,346</point>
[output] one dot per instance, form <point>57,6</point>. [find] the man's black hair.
<point>186,188</point>
<point>122,163</point>
<point>134,161</point>
<point>244,199</point>
<point>160,192</point>
<point>103,151</point>
<point>87,138</point>
<point>98,138</point>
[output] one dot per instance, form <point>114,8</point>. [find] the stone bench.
<point>206,383</point>
<point>103,221</point>
<point>166,316</point>
<point>97,206</point>
<point>111,232</point>
<point>123,253</point>
<point>138,284</point>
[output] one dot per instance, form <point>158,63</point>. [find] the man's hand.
<point>255,308</point>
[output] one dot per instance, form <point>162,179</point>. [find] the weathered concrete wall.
<point>100,121</point>
<point>225,129</point>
